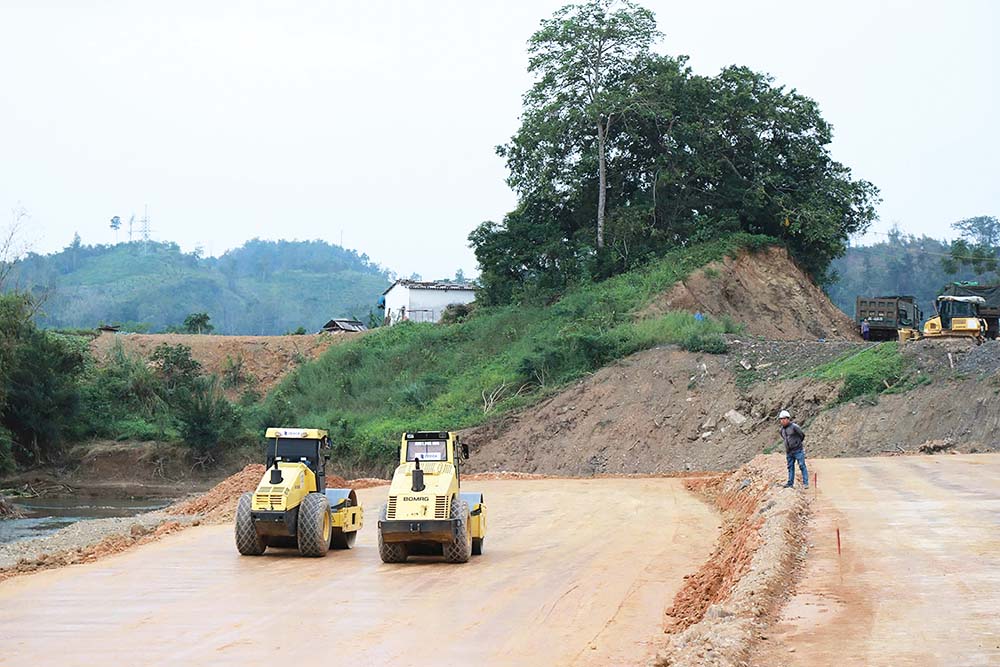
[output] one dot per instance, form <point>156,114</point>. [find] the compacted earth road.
<point>573,572</point>
<point>917,579</point>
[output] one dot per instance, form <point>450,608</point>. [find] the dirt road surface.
<point>573,572</point>
<point>918,579</point>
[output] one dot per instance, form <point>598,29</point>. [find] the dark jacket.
<point>793,435</point>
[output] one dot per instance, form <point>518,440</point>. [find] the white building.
<point>422,301</point>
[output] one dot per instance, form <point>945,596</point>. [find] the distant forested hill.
<point>903,264</point>
<point>264,287</point>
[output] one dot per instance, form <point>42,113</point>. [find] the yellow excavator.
<point>426,513</point>
<point>291,506</point>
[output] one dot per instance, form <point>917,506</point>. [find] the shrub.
<point>233,374</point>
<point>206,417</point>
<point>175,365</point>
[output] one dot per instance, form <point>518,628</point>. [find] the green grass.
<point>871,371</point>
<point>452,376</point>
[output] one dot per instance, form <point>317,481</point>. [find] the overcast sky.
<point>377,120</point>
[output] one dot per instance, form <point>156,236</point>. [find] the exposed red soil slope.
<point>766,292</point>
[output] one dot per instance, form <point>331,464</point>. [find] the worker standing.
<point>866,330</point>
<point>794,436</point>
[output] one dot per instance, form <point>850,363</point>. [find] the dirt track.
<point>574,572</point>
<point>918,579</point>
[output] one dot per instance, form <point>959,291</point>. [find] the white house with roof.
<point>423,301</point>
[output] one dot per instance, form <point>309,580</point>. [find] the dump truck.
<point>291,506</point>
<point>957,317</point>
<point>427,514</point>
<point>887,315</point>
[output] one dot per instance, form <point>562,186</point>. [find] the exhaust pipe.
<point>418,477</point>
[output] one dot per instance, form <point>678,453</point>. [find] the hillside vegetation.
<point>263,287</point>
<point>501,358</point>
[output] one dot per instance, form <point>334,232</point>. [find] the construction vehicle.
<point>291,506</point>
<point>989,311</point>
<point>957,317</point>
<point>887,315</point>
<point>427,514</point>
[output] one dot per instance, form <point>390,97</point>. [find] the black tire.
<point>391,552</point>
<point>459,549</point>
<point>248,542</point>
<point>314,531</point>
<point>477,546</point>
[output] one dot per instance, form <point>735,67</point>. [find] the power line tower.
<point>131,221</point>
<point>144,229</point>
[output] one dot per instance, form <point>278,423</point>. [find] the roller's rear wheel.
<point>248,542</point>
<point>315,529</point>
<point>459,549</point>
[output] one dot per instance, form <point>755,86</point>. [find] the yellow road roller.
<point>426,513</point>
<point>291,506</point>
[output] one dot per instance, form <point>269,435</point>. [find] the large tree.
<point>689,158</point>
<point>588,60</point>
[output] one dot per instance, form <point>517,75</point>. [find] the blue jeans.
<point>792,457</point>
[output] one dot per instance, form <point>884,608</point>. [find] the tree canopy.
<point>686,158</point>
<point>978,247</point>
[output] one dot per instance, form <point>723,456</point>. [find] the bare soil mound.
<point>218,505</point>
<point>262,361</point>
<point>766,292</point>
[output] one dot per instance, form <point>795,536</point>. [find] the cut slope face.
<point>666,410</point>
<point>766,292</point>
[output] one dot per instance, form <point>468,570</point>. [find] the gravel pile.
<point>981,359</point>
<point>84,539</point>
<point>776,358</point>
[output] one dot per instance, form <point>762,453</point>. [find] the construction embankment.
<point>666,410</point>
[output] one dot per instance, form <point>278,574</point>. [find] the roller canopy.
<point>335,496</point>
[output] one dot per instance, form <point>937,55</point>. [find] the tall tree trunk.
<point>602,182</point>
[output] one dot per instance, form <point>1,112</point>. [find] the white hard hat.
<point>784,415</point>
